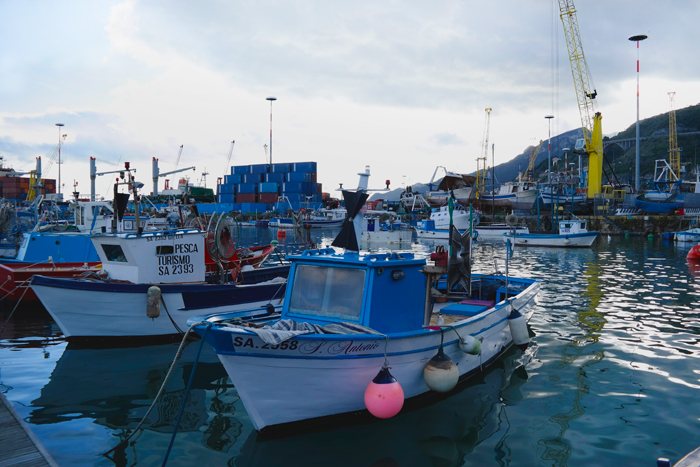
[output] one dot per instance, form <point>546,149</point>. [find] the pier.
<point>19,445</point>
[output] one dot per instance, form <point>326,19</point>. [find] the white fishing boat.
<point>513,195</point>
<point>348,319</point>
<point>690,235</point>
<point>150,284</point>
<point>572,233</point>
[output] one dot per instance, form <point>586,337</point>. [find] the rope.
<point>187,391</point>
<point>162,387</point>
<point>18,302</point>
<point>171,318</point>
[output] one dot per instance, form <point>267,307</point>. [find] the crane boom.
<point>179,153</point>
<point>590,118</point>
<point>674,154</point>
<point>530,173</point>
<point>228,160</point>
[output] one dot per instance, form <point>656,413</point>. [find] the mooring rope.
<point>162,387</point>
<point>29,283</point>
<point>187,391</point>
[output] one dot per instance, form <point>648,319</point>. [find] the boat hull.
<point>581,240</point>
<point>97,309</point>
<point>482,232</point>
<point>317,376</point>
<point>17,286</point>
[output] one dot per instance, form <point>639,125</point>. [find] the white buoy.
<point>518,328</point>
<point>440,320</point>
<point>441,373</point>
<point>153,298</point>
<point>470,345</point>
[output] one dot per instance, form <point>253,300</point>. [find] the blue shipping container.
<point>294,197</point>
<point>253,207</point>
<point>309,188</point>
<point>230,179</point>
<point>246,188</point>
<point>259,168</point>
<point>275,177</point>
<point>240,169</point>
<point>225,198</point>
<point>252,178</point>
<point>268,187</point>
<point>298,177</point>
<point>292,187</point>
<point>304,167</point>
<point>280,168</point>
<point>226,189</point>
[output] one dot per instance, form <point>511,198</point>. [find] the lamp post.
<point>549,149</point>
<point>271,99</point>
<point>59,125</point>
<point>636,39</point>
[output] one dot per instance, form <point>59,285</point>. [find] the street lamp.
<point>549,146</point>
<point>59,125</point>
<point>636,39</point>
<point>271,99</point>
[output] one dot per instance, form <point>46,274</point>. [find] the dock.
<point>19,445</point>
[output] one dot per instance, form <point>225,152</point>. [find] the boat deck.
<point>19,445</point>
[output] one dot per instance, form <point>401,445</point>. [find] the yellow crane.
<point>674,154</point>
<point>480,184</point>
<point>585,94</point>
<point>530,172</point>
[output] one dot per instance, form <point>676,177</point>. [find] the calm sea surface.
<point>611,378</point>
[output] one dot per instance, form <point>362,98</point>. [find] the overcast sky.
<point>397,85</point>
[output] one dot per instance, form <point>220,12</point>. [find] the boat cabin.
<point>573,226</point>
<point>385,292</point>
<point>159,257</point>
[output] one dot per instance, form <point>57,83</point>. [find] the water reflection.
<point>115,387</point>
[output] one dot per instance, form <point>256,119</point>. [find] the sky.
<point>401,86</point>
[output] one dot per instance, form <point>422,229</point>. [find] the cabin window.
<point>583,225</point>
<point>114,253</point>
<point>165,250</point>
<point>567,226</point>
<point>328,292</point>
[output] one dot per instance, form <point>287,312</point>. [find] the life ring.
<point>476,221</point>
<point>511,219</point>
<point>226,246</point>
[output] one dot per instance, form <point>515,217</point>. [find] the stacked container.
<point>263,184</point>
<point>17,188</point>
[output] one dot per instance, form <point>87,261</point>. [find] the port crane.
<point>530,172</point>
<point>591,119</point>
<point>156,171</point>
<point>674,153</point>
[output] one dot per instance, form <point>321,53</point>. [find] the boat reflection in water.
<point>435,430</point>
<point>116,386</point>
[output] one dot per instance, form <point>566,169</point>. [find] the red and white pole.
<point>637,163</point>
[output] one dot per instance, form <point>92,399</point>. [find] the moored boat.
<point>572,233</point>
<point>348,316</point>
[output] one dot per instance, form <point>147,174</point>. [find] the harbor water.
<point>611,378</point>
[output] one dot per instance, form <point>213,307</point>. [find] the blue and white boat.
<point>690,235</point>
<point>572,233</point>
<point>353,326</point>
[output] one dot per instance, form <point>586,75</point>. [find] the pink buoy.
<point>384,395</point>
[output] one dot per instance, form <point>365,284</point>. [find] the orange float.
<point>694,253</point>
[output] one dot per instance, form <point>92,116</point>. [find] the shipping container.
<point>294,197</point>
<point>268,187</point>
<point>318,188</point>
<point>240,169</point>
<point>253,207</point>
<point>259,168</point>
<point>298,177</point>
<point>225,198</point>
<point>267,197</point>
<point>278,177</point>
<point>280,168</point>
<point>246,198</point>
<point>252,178</point>
<point>292,187</point>
<point>314,177</point>
<point>309,188</point>
<point>232,179</point>
<point>304,167</point>
<point>246,188</point>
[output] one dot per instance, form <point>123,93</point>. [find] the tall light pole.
<point>271,99</point>
<point>549,149</point>
<point>59,125</point>
<point>636,39</point>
